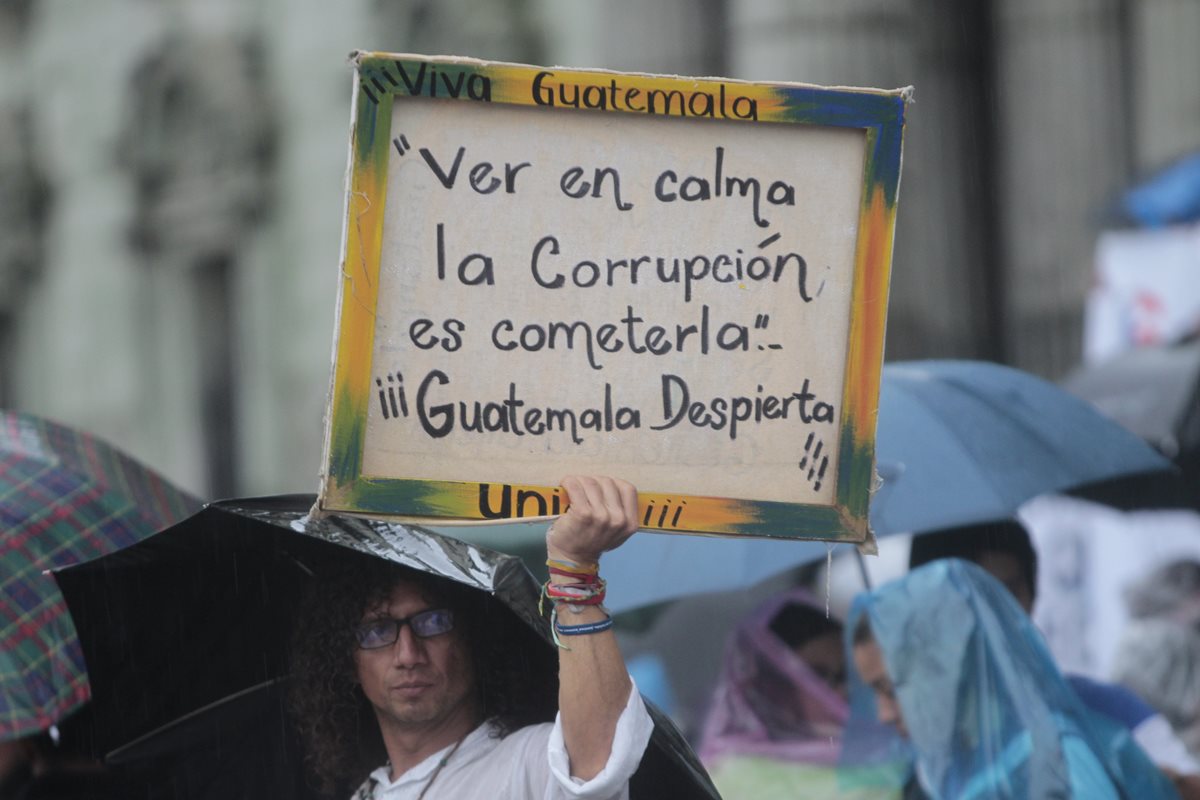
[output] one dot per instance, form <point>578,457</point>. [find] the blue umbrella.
<point>1169,197</point>
<point>957,442</point>
<point>654,566</point>
<point>967,441</point>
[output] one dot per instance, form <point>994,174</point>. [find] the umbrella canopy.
<point>65,497</point>
<point>185,636</point>
<point>1153,391</point>
<point>1171,196</point>
<point>960,442</point>
<point>957,442</point>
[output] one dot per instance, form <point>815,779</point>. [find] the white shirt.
<point>529,764</point>
<point>1163,745</point>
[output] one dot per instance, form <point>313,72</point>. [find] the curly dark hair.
<point>515,670</point>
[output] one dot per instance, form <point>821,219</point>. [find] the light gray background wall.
<point>171,180</point>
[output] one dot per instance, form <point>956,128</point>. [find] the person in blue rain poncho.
<point>947,657</point>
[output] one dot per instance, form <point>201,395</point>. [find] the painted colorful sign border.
<point>380,77</point>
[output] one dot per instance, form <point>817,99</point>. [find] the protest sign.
<point>678,281</point>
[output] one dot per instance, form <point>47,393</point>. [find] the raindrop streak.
<point>828,572</point>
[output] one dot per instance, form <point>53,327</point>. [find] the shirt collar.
<point>472,746</point>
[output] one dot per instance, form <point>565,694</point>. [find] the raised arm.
<point>594,684</point>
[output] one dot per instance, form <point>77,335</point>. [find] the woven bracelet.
<point>572,567</point>
<point>575,592</point>
<point>579,577</point>
<point>573,595</point>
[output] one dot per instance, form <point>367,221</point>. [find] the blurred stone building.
<point>171,178</point>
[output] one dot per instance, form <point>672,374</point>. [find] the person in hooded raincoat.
<point>774,728</point>
<point>947,657</point>
<point>1004,549</point>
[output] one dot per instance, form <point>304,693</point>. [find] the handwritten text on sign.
<point>637,295</point>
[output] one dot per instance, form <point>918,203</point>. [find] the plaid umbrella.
<point>65,497</point>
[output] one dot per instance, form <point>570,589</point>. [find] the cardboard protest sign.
<point>682,282</point>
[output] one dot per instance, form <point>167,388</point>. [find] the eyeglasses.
<point>386,630</point>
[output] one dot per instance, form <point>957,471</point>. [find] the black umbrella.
<point>185,637</point>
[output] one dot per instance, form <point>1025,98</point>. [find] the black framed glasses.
<point>384,631</point>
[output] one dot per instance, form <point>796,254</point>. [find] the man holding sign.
<point>447,707</point>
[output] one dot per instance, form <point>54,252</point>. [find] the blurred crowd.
<point>938,684</point>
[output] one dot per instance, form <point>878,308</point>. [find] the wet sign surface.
<point>681,282</point>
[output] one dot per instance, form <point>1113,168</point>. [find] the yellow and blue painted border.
<point>382,77</point>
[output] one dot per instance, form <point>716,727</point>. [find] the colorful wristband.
<point>575,592</point>
<point>572,567</point>
<point>584,629</point>
<point>581,577</point>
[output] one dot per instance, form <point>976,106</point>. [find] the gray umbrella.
<point>1152,391</point>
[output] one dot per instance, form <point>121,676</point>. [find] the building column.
<point>1063,155</point>
<point>942,291</point>
<point>1166,81</point>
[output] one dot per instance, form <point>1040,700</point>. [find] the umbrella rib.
<point>114,756</point>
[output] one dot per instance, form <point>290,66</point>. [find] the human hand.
<point>602,514</point>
